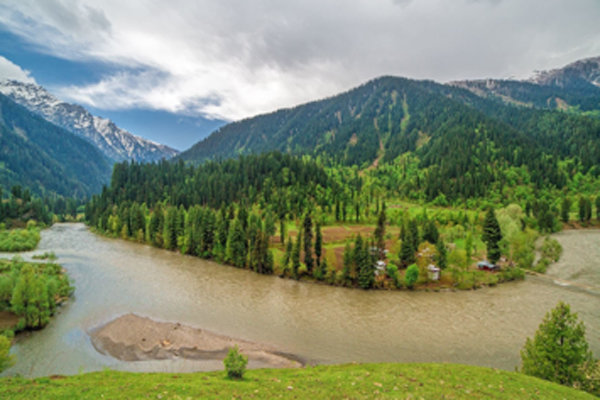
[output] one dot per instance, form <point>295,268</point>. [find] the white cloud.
<point>232,59</point>
<point>9,70</point>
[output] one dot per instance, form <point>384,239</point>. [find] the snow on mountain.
<point>116,143</point>
<point>586,70</point>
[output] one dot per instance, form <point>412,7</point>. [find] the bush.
<point>235,363</point>
<point>392,272</point>
<point>19,239</point>
<point>411,276</point>
<point>6,360</point>
<point>551,249</point>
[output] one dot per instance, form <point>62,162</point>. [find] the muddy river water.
<point>318,323</point>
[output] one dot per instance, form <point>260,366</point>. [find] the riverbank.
<point>135,338</point>
<point>323,382</point>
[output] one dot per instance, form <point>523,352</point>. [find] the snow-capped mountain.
<point>577,73</point>
<point>116,143</point>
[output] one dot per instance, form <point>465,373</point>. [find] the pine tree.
<point>308,258</point>
<point>492,236</point>
<point>380,234</point>
<point>413,230</point>
<point>564,209</point>
<point>318,244</point>
<point>407,252</point>
<point>582,209</point>
<point>296,257</point>
<point>442,257</point>
<point>469,248</point>
<point>559,352</point>
<point>365,266</point>
<point>347,266</point>
<point>430,232</point>
<point>235,252</point>
<point>287,258</point>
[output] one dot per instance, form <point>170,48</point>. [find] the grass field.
<point>368,381</point>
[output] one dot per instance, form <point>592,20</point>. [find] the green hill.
<point>45,158</point>
<point>368,381</point>
<point>462,140</point>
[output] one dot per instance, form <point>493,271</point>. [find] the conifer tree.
<point>430,232</point>
<point>380,233</point>
<point>318,244</point>
<point>559,351</point>
<point>308,258</point>
<point>492,236</point>
<point>407,252</point>
<point>347,266</point>
<point>365,266</point>
<point>413,230</point>
<point>235,252</point>
<point>442,254</point>
<point>564,209</point>
<point>296,257</point>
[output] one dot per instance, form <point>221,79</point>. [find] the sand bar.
<point>135,338</point>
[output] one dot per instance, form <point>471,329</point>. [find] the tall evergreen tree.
<point>413,230</point>
<point>442,254</point>
<point>492,236</point>
<point>365,266</point>
<point>559,351</point>
<point>380,234</point>
<point>235,252</point>
<point>308,258</point>
<point>564,209</point>
<point>318,244</point>
<point>296,257</point>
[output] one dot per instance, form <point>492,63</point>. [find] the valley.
<point>346,232</point>
<point>316,323</point>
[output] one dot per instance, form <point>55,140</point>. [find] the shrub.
<point>551,249</point>
<point>392,272</point>
<point>411,276</point>
<point>6,360</point>
<point>235,363</point>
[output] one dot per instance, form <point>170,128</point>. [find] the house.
<point>487,266</point>
<point>433,272</point>
<point>380,267</point>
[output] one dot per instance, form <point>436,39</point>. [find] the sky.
<point>174,71</point>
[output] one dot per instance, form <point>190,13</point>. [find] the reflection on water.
<point>316,322</point>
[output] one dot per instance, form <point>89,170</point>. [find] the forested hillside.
<point>45,158</point>
<point>462,140</point>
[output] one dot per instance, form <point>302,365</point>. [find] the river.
<point>318,323</point>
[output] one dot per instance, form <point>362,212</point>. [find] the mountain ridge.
<point>46,158</point>
<point>116,143</point>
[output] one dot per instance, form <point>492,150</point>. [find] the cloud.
<point>233,59</point>
<point>9,70</point>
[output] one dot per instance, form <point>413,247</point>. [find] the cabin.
<point>380,267</point>
<point>433,272</point>
<point>485,265</point>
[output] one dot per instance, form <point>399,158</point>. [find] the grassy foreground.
<point>412,381</point>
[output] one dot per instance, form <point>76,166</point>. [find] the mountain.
<point>578,74</point>
<point>45,158</point>
<point>117,144</point>
<point>389,116</point>
<point>575,87</point>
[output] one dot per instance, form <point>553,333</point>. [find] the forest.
<point>305,219</point>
